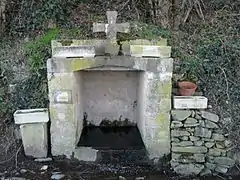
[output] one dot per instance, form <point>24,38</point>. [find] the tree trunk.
<point>160,12</point>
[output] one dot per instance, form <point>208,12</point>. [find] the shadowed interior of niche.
<point>111,137</point>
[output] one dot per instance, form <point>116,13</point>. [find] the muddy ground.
<point>21,166</point>
<point>13,163</point>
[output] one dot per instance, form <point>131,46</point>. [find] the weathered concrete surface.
<point>35,141</point>
<point>138,89</point>
<point>85,154</point>
<point>104,98</point>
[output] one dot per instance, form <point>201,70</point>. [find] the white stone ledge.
<point>74,51</point>
<point>27,116</point>
<point>190,102</point>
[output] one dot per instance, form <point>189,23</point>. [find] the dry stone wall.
<point>198,143</point>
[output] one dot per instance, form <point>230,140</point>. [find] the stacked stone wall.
<point>198,144</point>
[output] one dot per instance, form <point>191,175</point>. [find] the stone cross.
<point>112,27</point>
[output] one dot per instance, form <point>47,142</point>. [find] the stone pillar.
<point>156,108</point>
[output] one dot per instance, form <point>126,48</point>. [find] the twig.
<point>135,7</point>
<point>2,162</point>
<point>16,157</point>
<point>227,88</point>
<point>220,176</point>
<point>124,5</point>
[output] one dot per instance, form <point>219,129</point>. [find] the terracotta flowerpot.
<point>187,88</point>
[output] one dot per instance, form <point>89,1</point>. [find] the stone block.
<point>210,166</point>
<point>190,149</point>
<point>180,115</point>
<point>183,144</point>
<point>74,51</point>
<point>202,132</point>
<point>176,124</point>
<point>188,169</point>
<point>198,143</point>
<point>209,144</point>
<point>157,42</point>
<point>205,172</point>
<point>35,141</point>
<point>87,154</point>
<point>199,157</point>
<point>184,138</point>
<point>193,138</point>
<point>33,128</point>
<point>210,116</point>
<point>176,140</point>
<point>214,152</point>
<point>179,133</point>
<point>190,102</point>
<point>224,161</point>
<point>211,125</point>
<point>221,169</point>
<point>191,122</point>
<point>150,51</point>
<point>218,137</point>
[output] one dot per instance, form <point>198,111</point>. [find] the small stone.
<point>191,120</point>
<point>180,115</point>
<point>209,144</point>
<point>203,132</point>
<point>210,159</point>
<point>228,143</point>
<point>183,144</point>
<point>210,166</point>
<point>221,169</point>
<point>210,116</point>
<point>121,178</point>
<point>208,140</point>
<point>214,152</point>
<point>174,164</point>
<point>193,138</point>
<point>225,161</point>
<point>202,123</point>
<point>43,159</point>
<point>198,117</point>
<point>189,129</point>
<point>184,138</point>
<point>218,137</point>
<point>15,178</point>
<point>205,172</point>
<point>220,145</point>
<point>140,178</point>
<point>190,149</point>
<point>193,114</point>
<point>23,171</point>
<point>188,169</point>
<point>211,125</point>
<point>176,124</point>
<point>191,125</point>
<point>224,154</point>
<point>176,140</point>
<point>44,168</point>
<point>198,143</point>
<point>179,133</point>
<point>199,158</point>
<point>57,176</point>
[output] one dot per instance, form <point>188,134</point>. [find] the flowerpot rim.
<point>183,84</point>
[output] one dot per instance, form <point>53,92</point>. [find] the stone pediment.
<point>96,47</point>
